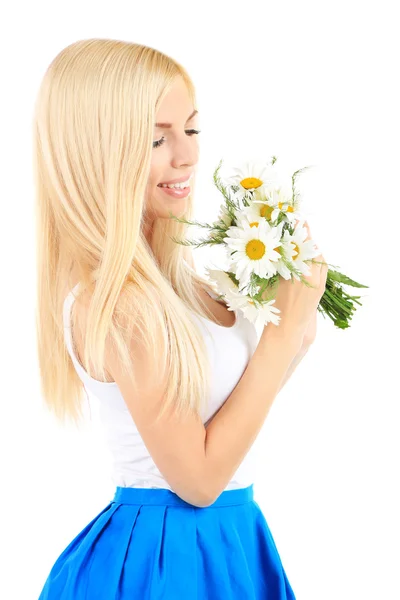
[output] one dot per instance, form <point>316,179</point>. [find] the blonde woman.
<point>183,384</point>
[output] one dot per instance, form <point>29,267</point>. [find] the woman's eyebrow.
<point>168,125</point>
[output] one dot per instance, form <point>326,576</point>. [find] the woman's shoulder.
<point>78,319</point>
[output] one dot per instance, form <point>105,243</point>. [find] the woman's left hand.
<point>311,331</point>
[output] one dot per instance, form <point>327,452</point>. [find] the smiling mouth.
<point>181,186</point>
<point>176,192</point>
<point>178,183</point>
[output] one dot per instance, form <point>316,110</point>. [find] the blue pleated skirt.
<point>149,544</point>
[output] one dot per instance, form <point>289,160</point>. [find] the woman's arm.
<point>295,363</point>
<point>308,339</point>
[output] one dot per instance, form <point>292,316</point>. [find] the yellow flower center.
<point>266,211</point>
<point>296,249</point>
<point>288,209</point>
<point>251,182</point>
<point>255,249</point>
<point>254,224</point>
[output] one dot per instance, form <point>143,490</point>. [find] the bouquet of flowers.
<point>260,225</point>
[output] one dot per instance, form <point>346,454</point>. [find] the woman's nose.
<point>186,152</point>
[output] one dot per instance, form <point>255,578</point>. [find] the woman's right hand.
<point>298,302</point>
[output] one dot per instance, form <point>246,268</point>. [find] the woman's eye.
<point>158,143</point>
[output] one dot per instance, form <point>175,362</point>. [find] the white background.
<point>315,84</point>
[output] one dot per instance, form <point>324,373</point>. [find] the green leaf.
<point>336,276</point>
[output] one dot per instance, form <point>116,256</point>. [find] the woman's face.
<point>175,154</point>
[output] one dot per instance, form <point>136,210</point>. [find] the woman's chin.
<point>178,206</point>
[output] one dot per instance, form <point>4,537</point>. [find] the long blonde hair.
<point>93,132</point>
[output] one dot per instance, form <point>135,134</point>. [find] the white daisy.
<point>224,282</point>
<point>263,209</point>
<point>259,315</point>
<point>252,176</point>
<point>303,250</point>
<point>256,250</point>
<point>254,213</point>
<point>264,314</point>
<point>279,201</point>
<point>288,250</point>
<point>236,300</point>
<point>224,217</point>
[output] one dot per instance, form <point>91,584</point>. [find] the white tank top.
<point>230,349</point>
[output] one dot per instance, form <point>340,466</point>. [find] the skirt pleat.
<point>149,544</point>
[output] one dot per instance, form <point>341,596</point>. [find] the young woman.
<point>184,385</point>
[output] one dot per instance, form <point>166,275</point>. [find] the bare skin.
<point>224,317</point>
<point>175,158</point>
